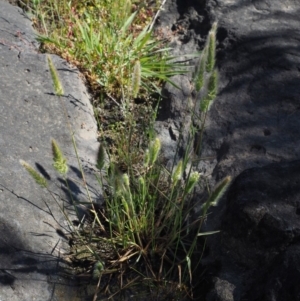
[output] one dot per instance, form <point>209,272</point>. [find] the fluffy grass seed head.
<point>142,186</point>
<point>199,78</point>
<point>212,90</point>
<point>146,158</point>
<point>98,269</point>
<point>60,162</point>
<point>214,27</point>
<point>211,54</point>
<point>39,179</point>
<point>116,180</point>
<point>154,149</point>
<point>136,78</point>
<point>59,91</point>
<point>213,85</point>
<point>126,209</point>
<point>218,192</point>
<point>101,156</point>
<point>192,181</point>
<point>126,182</point>
<point>177,174</point>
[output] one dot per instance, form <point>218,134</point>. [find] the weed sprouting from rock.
<point>147,212</point>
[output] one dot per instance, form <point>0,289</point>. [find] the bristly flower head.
<point>212,90</point>
<point>177,174</point>
<point>154,151</point>
<point>136,78</point>
<point>146,158</point>
<point>199,79</point>
<point>101,156</point>
<point>217,194</point>
<point>211,59</point>
<point>60,162</point>
<point>40,180</point>
<point>126,181</point>
<point>192,181</point>
<point>98,269</point>
<point>220,190</point>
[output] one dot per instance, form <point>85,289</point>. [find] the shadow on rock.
<point>257,251</point>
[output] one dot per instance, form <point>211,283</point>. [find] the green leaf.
<point>128,23</point>
<point>208,233</point>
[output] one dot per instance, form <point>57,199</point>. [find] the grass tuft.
<point>145,226</point>
<point>105,39</point>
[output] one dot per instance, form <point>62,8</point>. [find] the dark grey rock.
<point>259,68</point>
<point>257,251</point>
<point>185,25</point>
<point>282,282</point>
<point>254,122</point>
<point>31,251</point>
<point>223,290</point>
<point>255,118</point>
<point>16,29</point>
<point>174,120</point>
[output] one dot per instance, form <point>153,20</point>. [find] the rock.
<point>256,111</point>
<point>31,250</point>
<point>174,121</point>
<point>254,122</point>
<point>256,115</point>
<point>186,27</point>
<point>258,248</point>
<point>223,290</point>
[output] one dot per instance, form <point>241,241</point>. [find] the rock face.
<point>252,133</point>
<point>255,118</point>
<point>257,251</point>
<point>259,66</point>
<point>30,115</point>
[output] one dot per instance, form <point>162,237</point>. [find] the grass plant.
<point>106,39</point>
<point>146,223</point>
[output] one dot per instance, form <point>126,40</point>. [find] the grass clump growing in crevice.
<point>146,219</point>
<point>144,233</point>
